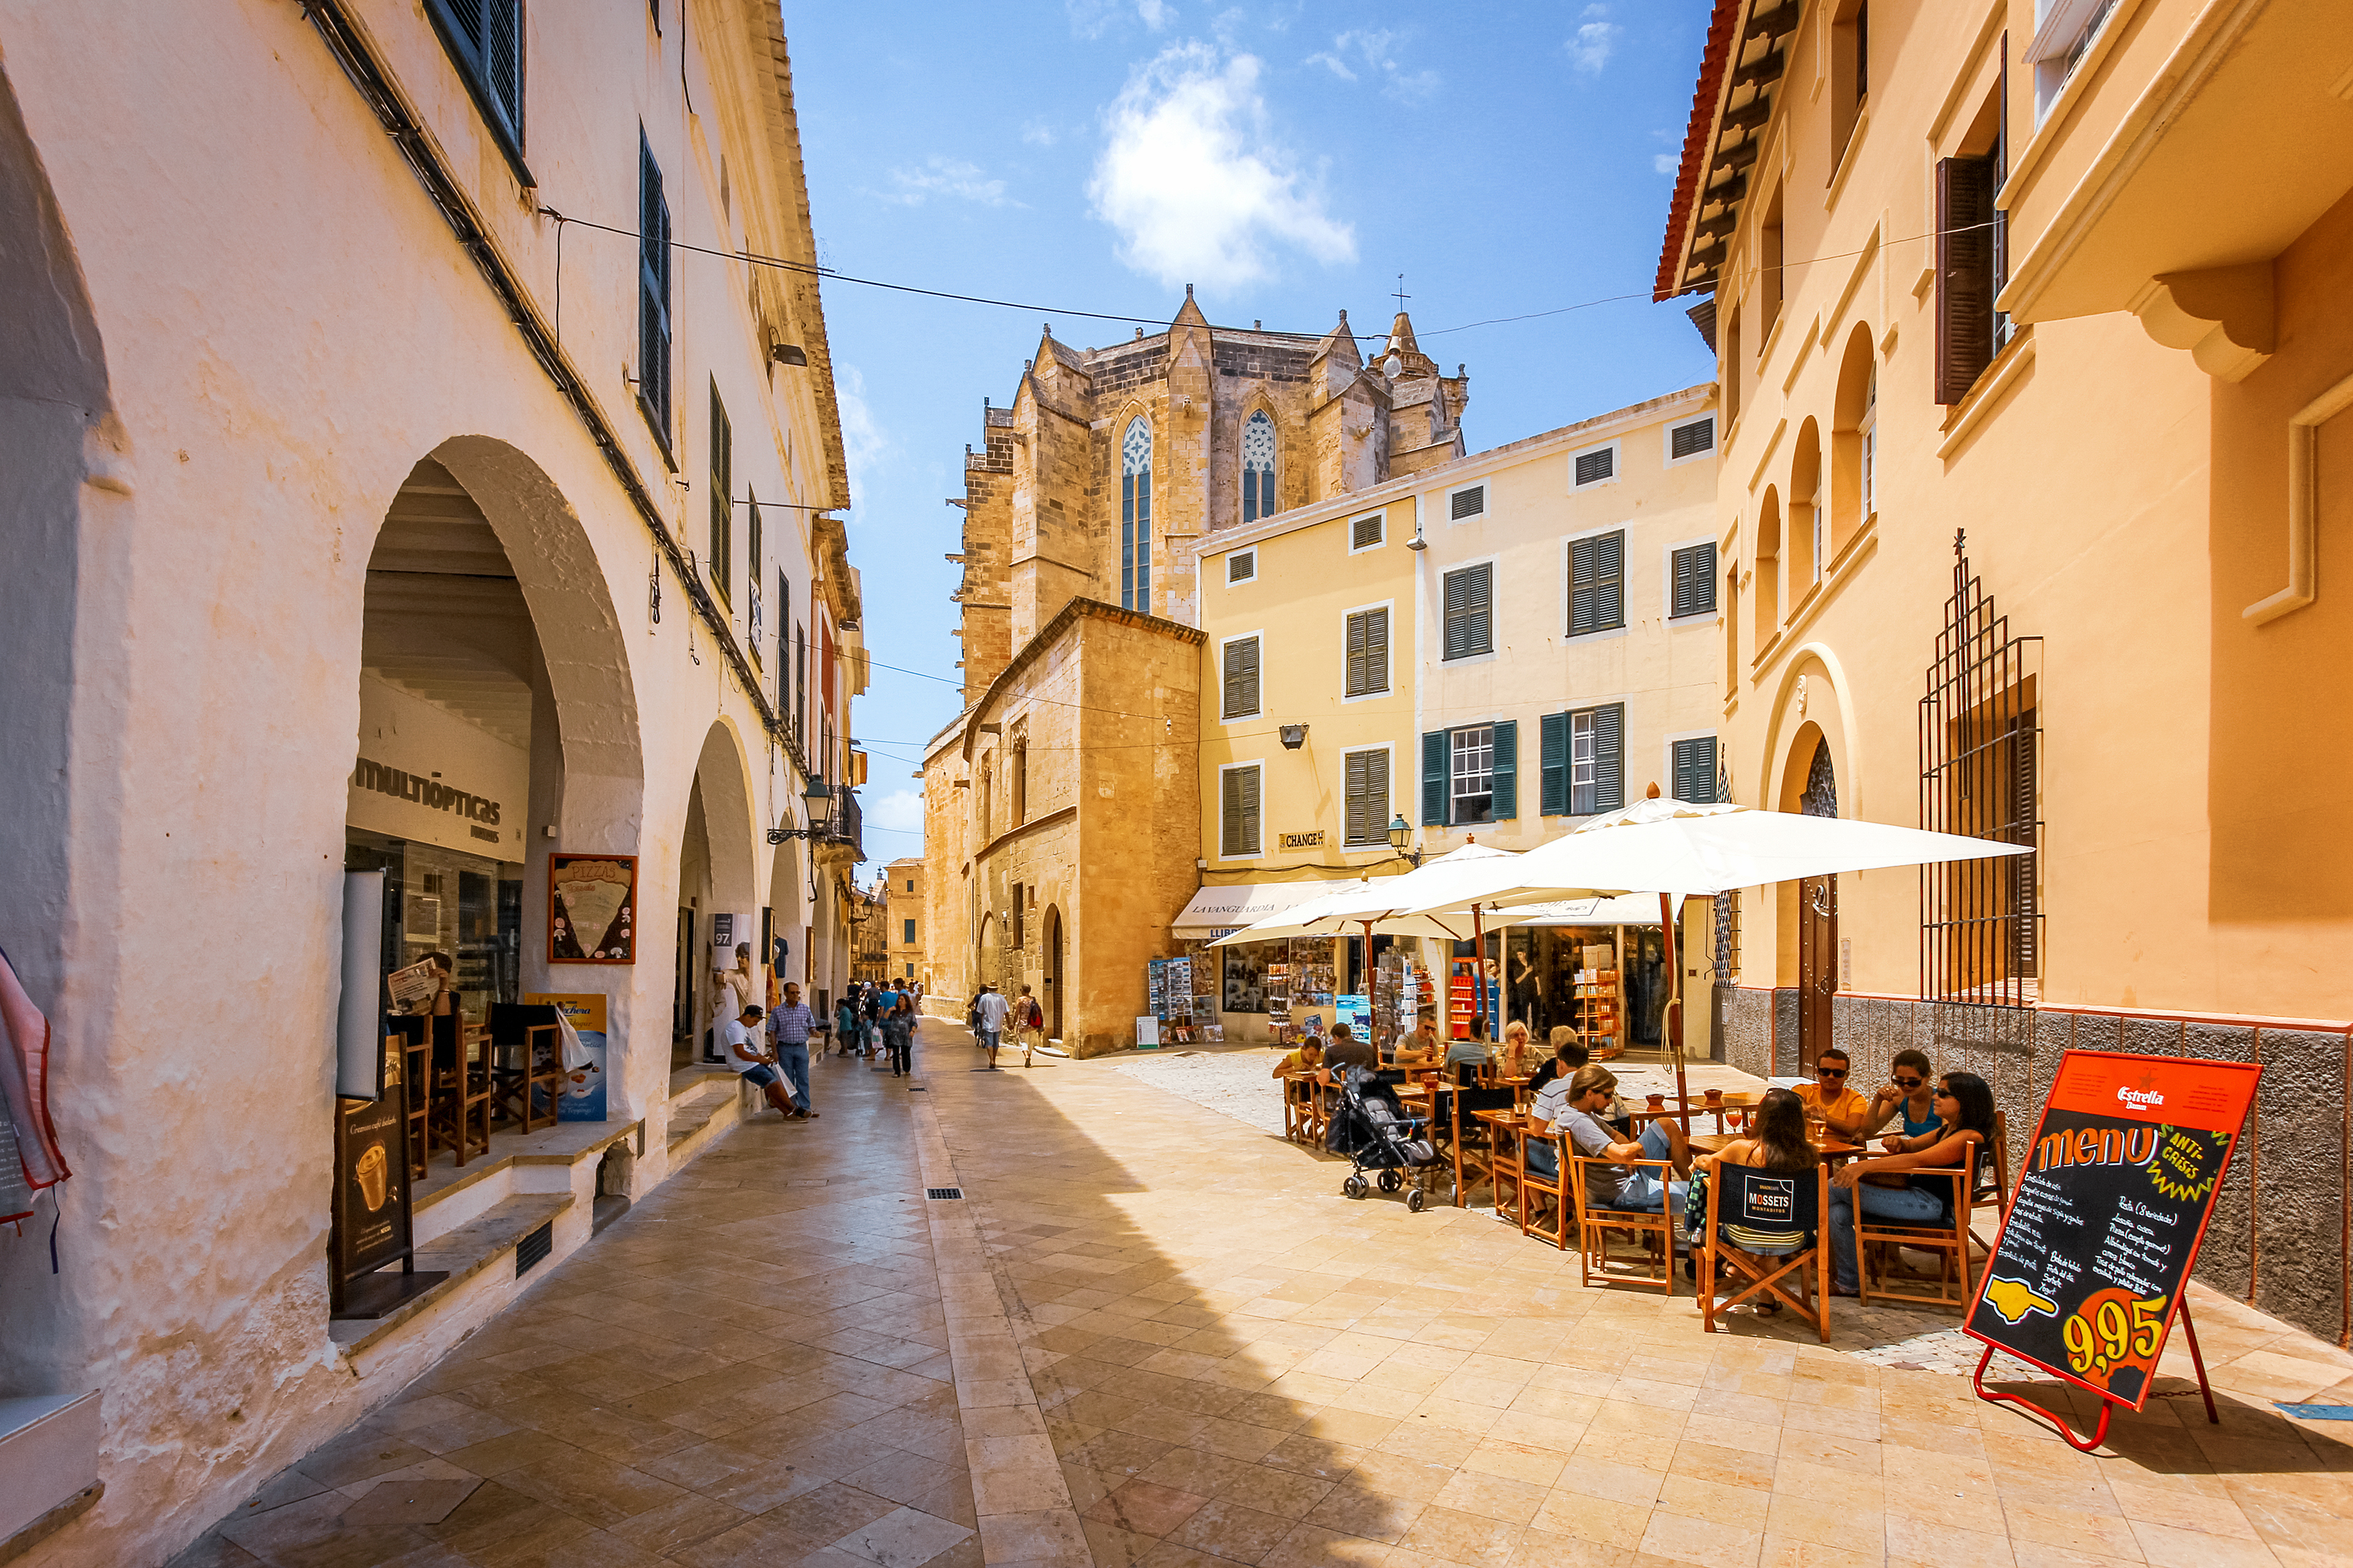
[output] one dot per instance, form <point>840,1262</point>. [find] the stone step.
<point>464,1253</point>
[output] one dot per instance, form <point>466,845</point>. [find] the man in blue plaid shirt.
<point>789,1031</point>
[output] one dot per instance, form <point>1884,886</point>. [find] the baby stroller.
<point>1371,1128</point>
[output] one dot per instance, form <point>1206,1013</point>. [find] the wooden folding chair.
<point>1298,1107</point>
<point>1749,1200</point>
<point>1473,1140</point>
<point>1595,1226</point>
<point>1876,1242</point>
<point>1535,1184</point>
<point>528,1046</point>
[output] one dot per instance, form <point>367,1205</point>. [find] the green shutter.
<point>1609,757</point>
<point>1433,779</point>
<point>1507,771</point>
<point>1553,763</point>
<point>1694,768</point>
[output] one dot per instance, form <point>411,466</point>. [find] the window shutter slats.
<point>1695,769</point>
<point>1506,786</point>
<point>1376,653</point>
<point>1552,758</point>
<point>1592,468</point>
<point>1239,831</point>
<point>1689,440</point>
<point>1355,687</point>
<point>1433,778</point>
<point>1367,790</point>
<point>1468,601</point>
<point>1597,577</point>
<point>1964,274</point>
<point>1242,679</point>
<point>1366,532</point>
<point>1609,757</point>
<point>1695,581</point>
<point>1467,504</point>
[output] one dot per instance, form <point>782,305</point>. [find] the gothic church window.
<point>1136,517</point>
<point>1257,467</point>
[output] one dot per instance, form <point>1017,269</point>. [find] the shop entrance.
<point>1818,976</point>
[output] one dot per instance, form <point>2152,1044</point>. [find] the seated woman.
<point>1574,1106</point>
<point>1776,1141</point>
<point>1519,1057</point>
<point>1906,1095</point>
<point>1964,1126</point>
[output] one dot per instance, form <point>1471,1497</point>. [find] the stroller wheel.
<point>1415,1199</point>
<point>1391,1181</point>
<point>1354,1186</point>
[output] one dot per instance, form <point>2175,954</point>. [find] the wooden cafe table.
<point>1716,1143</point>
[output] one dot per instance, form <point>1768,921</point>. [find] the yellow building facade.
<point>902,894</point>
<point>2032,347</point>
<point>1492,649</point>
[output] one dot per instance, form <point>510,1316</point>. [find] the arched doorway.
<point>1053,976</point>
<point>494,698</point>
<point>718,903</point>
<point>1818,966</point>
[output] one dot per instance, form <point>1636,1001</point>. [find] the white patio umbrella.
<point>1673,846</point>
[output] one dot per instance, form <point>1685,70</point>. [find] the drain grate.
<point>939,1195</point>
<point>531,1248</point>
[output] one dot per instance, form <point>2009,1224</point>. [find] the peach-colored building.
<point>337,549</point>
<point>2034,349</point>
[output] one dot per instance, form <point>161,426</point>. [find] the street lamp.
<point>818,797</point>
<point>1401,840</point>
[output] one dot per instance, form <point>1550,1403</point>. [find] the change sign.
<point>2119,1183</point>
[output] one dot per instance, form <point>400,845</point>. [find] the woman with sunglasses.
<point>1964,1127</point>
<point>1906,1094</point>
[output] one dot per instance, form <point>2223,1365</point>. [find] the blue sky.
<point>1289,160</point>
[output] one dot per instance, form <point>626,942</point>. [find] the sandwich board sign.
<point>2117,1185</point>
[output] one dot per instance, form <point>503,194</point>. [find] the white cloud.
<point>1373,51</point>
<point>1666,163</point>
<point>1589,48</point>
<point>861,438</point>
<point>949,177</point>
<point>1037,133</point>
<point>1194,181</point>
<point>1092,18</point>
<point>900,811</point>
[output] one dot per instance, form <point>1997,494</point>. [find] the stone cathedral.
<point>1063,822</point>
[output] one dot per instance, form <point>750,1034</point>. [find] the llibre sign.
<point>2119,1182</point>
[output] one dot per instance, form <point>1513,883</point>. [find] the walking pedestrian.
<point>848,1032</point>
<point>991,1008</point>
<point>788,1030</point>
<point>1028,1023</point>
<point>898,1033</point>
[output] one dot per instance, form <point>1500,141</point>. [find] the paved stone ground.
<point>1152,1335</point>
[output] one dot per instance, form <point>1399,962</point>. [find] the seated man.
<point>1843,1111</point>
<point>1422,1049</point>
<point>1347,1051</point>
<point>1469,1053</point>
<point>1575,1106</point>
<point>756,1066</point>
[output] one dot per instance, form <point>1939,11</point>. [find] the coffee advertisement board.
<point>2118,1184</point>
<point>371,1208</point>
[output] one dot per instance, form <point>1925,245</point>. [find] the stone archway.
<point>717,883</point>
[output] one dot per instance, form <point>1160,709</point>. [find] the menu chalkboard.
<point>2119,1181</point>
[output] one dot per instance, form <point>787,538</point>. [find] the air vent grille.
<point>1592,468</point>
<point>532,1248</point>
<point>944,1195</point>
<point>1241,567</point>
<point>1366,532</point>
<point>1471,502</point>
<point>1690,440</point>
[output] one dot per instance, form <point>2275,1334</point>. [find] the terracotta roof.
<point>1704,98</point>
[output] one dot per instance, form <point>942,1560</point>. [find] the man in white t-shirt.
<point>740,1037</point>
<point>991,1008</point>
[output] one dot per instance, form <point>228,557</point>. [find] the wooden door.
<point>681,1002</point>
<point>1053,1008</point>
<point>1817,966</point>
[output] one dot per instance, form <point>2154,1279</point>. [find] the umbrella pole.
<point>1372,990</point>
<point>1479,965</point>
<point>1675,1007</point>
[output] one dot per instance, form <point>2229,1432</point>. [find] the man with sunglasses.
<point>1843,1111</point>
<point>1907,1093</point>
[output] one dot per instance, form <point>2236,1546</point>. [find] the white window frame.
<point>1488,724</point>
<point>1234,555</point>
<point>1382,843</point>
<point>1494,565</point>
<point>1667,457</point>
<point>1218,809</point>
<point>1615,446</point>
<point>1260,711</point>
<point>1569,587</point>
<point>1381,543</point>
<point>1667,587</point>
<point>1391,689</point>
<point>1667,755</point>
<point>1486,501</point>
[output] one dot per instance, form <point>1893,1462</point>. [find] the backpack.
<point>1032,1017</point>
<point>972,1016</point>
